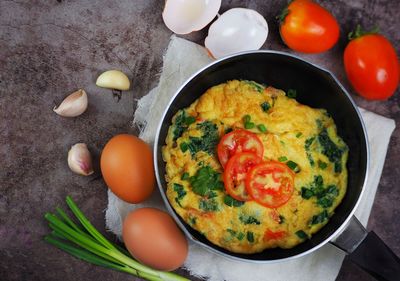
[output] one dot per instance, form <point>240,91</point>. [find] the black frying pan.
<point>317,88</point>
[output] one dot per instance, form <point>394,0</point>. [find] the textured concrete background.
<point>48,49</point>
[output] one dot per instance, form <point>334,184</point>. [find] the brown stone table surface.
<point>50,48</point>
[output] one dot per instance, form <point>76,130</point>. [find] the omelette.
<point>250,168</point>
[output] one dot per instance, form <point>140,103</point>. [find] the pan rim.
<point>216,251</point>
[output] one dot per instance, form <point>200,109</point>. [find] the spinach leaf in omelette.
<point>206,181</point>
<point>207,142</point>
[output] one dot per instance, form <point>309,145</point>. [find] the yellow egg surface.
<point>294,132</point>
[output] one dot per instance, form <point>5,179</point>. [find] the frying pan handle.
<point>369,252</point>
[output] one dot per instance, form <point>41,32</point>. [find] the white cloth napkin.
<point>182,59</point>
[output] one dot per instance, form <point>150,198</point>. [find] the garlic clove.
<point>113,79</point>
<point>236,30</point>
<point>185,16</point>
<point>73,105</point>
<point>80,160</point>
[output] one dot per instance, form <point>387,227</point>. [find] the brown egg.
<point>153,238</point>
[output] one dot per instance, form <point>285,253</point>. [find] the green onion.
<point>282,159</point>
<point>246,118</point>
<point>293,166</point>
<point>86,243</point>
<point>249,125</point>
<point>262,128</point>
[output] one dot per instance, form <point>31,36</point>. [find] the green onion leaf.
<point>262,128</point>
<point>282,159</point>
<point>293,166</point>
<point>249,125</point>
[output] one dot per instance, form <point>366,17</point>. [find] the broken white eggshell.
<point>185,16</point>
<point>236,30</point>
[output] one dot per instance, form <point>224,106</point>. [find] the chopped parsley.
<point>205,181</point>
<point>298,135</point>
<point>182,122</point>
<point>265,106</point>
<point>331,150</point>
<point>249,220</point>
<point>232,202</point>
<point>281,219</point>
<point>301,234</point>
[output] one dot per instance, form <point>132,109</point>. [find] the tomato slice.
<point>274,235</point>
<point>235,174</point>
<point>238,141</point>
<point>270,183</point>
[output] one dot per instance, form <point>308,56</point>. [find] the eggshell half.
<point>153,238</point>
<point>236,30</point>
<point>185,16</point>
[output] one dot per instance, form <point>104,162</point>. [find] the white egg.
<point>185,16</point>
<point>236,30</point>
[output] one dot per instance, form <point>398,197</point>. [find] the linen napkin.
<point>182,59</point>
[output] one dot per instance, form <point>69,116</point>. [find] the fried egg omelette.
<point>298,136</point>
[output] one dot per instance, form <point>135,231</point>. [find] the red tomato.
<point>372,66</point>
<point>235,174</point>
<point>238,141</point>
<point>274,235</point>
<point>270,183</point>
<point>307,27</point>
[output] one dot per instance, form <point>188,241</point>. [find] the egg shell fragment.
<point>236,30</point>
<point>185,16</point>
<point>153,238</point>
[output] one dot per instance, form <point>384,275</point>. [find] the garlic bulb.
<point>236,30</point>
<point>73,105</point>
<point>80,160</point>
<point>113,79</point>
<point>185,16</point>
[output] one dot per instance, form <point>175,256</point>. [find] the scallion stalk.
<point>87,243</point>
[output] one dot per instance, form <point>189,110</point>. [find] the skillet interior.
<point>316,88</point>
